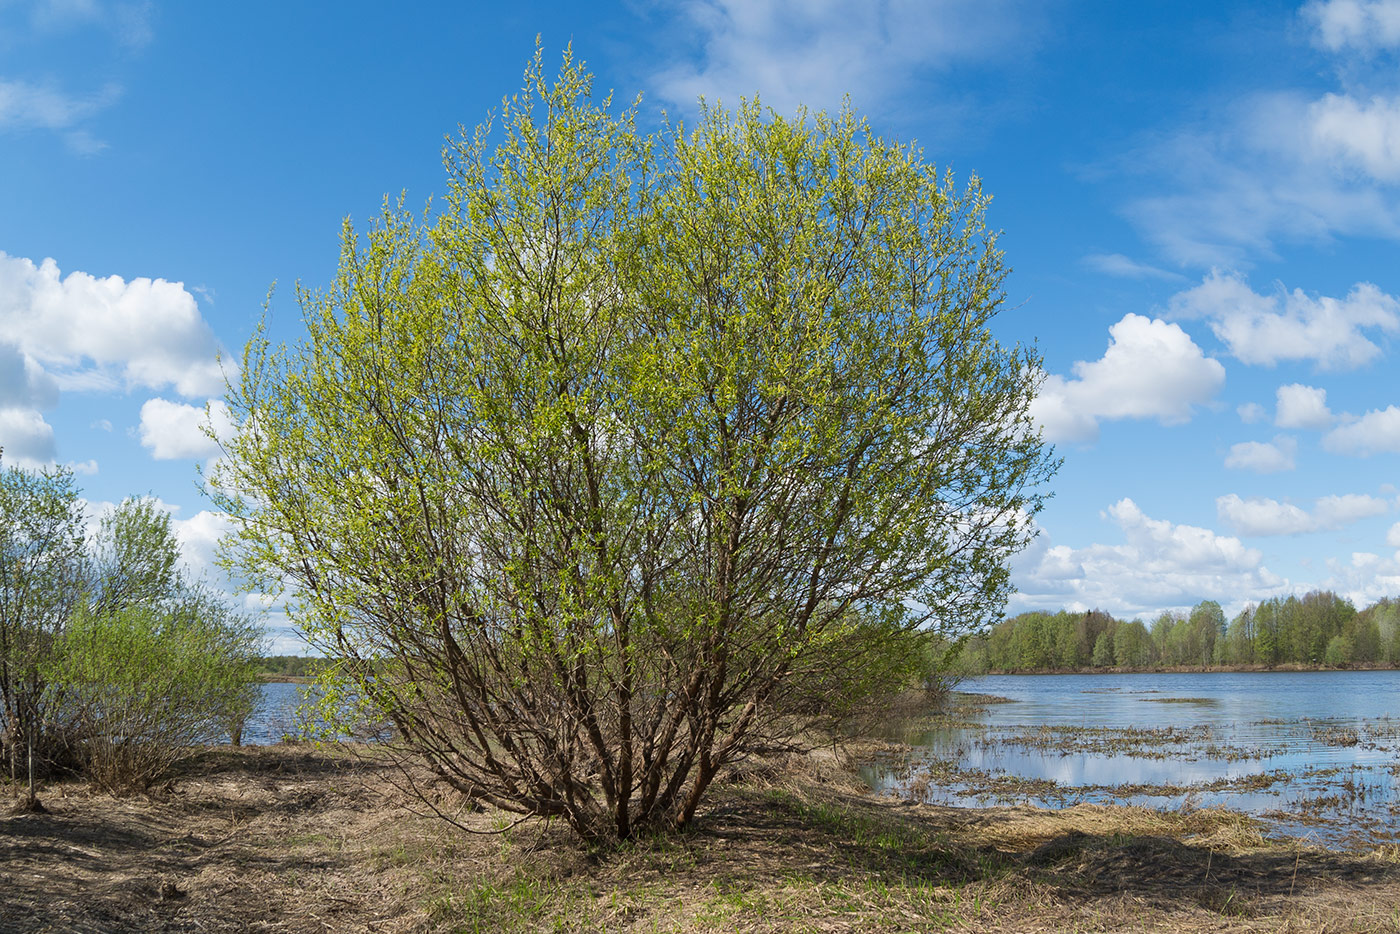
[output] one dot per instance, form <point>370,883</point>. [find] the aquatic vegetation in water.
<point>1206,701</point>
<point>1306,753</point>
<point>1336,735</point>
<point>1170,742</point>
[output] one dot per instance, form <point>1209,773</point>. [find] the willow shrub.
<point>581,476</point>
<point>145,686</point>
<point>43,581</point>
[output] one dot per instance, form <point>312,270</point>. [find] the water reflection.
<point>276,715</point>
<point>1313,753</point>
<point>280,716</point>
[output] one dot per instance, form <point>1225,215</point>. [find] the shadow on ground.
<point>289,839</point>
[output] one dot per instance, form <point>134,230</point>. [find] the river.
<point>1313,754</point>
<point>276,715</point>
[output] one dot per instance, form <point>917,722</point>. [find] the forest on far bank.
<point>290,666</point>
<point>1318,629</point>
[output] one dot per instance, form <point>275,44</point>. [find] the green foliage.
<point>579,478</point>
<point>110,660</point>
<point>43,579</point>
<point>153,663</point>
<point>134,560</point>
<point>862,669</point>
<point>1103,650</point>
<point>291,666</point>
<point>1206,628</point>
<point>1318,629</point>
<point>145,684</point>
<point>1383,619</point>
<point>1132,645</point>
<point>860,665</point>
<point>1339,652</point>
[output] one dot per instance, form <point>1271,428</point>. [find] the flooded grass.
<point>1329,776</point>
<point>963,699</point>
<point>287,839</point>
<point>1336,736</point>
<point>1187,743</point>
<point>1183,700</point>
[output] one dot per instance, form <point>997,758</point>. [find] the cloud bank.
<point>1259,516</point>
<point>83,333</point>
<point>1159,564</point>
<point>1265,330</point>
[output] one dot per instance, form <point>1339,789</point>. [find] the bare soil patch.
<point>286,838</point>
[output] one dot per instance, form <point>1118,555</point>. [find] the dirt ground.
<point>289,839</point>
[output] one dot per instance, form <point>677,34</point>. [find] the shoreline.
<point>267,837</point>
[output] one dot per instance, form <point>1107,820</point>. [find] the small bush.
<point>144,685</point>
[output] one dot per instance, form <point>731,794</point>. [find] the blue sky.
<point>1200,202</point>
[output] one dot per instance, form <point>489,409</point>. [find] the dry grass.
<point>286,839</point>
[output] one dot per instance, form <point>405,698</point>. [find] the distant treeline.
<point>1319,629</point>
<point>291,666</point>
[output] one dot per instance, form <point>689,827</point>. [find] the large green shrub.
<point>578,478</point>
<point>862,667</point>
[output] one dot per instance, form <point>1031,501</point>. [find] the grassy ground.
<point>289,839</point>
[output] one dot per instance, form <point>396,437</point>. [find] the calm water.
<point>275,716</point>
<point>1313,753</point>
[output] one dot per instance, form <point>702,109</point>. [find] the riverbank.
<point>270,678</point>
<point>289,839</point>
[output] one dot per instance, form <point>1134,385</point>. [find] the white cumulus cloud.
<point>1180,547</point>
<point>107,333</point>
<point>1376,432</point>
<point>23,382</point>
<point>1287,164</point>
<point>173,430</point>
<point>1158,565</point>
<point>1251,176</point>
<point>1392,538</point>
<point>1363,25</point>
<point>1365,579</point>
<point>199,538</point>
<point>1268,329</point>
<point>84,333</point>
<point>1151,369</point>
<point>1300,406</point>
<point>26,438</point>
<point>1360,134</point>
<point>1333,512</point>
<point>1259,516</point>
<point>1263,457</point>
